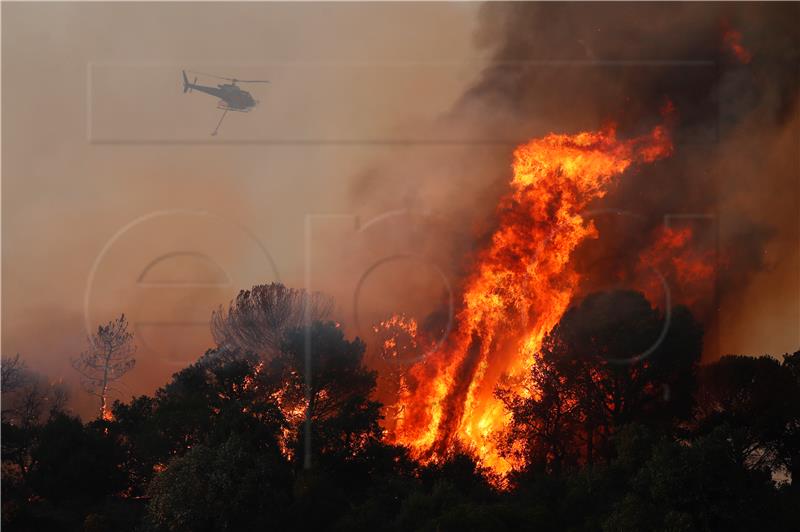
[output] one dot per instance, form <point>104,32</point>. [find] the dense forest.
<point>277,427</point>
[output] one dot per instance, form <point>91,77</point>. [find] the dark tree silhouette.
<point>756,401</point>
<point>663,484</point>
<point>185,433</point>
<point>28,396</point>
<point>619,434</point>
<point>230,486</point>
<point>13,375</point>
<point>73,461</point>
<point>28,400</point>
<point>331,393</point>
<point>258,319</point>
<point>789,445</point>
<point>611,360</point>
<point>108,358</point>
<point>223,393</point>
<point>73,468</point>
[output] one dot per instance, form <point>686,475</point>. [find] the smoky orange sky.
<point>108,166</point>
<point>116,199</point>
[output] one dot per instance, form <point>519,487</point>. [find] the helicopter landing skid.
<point>225,108</point>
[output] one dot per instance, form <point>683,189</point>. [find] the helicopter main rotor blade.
<point>234,80</point>
<point>211,75</point>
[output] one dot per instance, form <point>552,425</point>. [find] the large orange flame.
<point>521,285</point>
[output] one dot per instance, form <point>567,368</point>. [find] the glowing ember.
<point>519,288</point>
<point>399,337</point>
<point>294,412</point>
<point>688,269</point>
<point>732,41</point>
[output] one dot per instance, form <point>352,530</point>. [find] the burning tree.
<point>108,358</point>
<point>603,366</point>
<point>258,319</point>
<point>328,392</point>
<point>519,287</point>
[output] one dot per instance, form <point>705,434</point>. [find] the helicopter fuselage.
<point>232,95</point>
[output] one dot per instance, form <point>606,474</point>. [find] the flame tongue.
<point>521,285</point>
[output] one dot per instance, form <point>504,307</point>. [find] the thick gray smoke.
<point>571,67</point>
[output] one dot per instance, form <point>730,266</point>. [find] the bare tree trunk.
<point>108,358</point>
<point>104,389</point>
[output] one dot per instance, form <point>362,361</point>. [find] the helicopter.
<point>231,96</point>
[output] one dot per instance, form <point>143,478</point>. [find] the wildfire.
<point>520,286</point>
